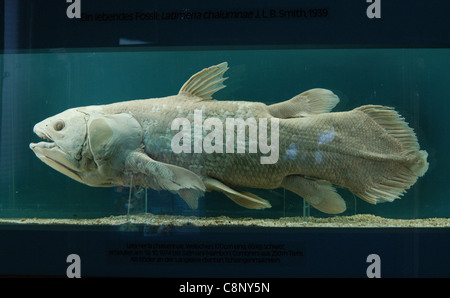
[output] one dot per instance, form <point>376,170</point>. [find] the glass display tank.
<point>42,85</point>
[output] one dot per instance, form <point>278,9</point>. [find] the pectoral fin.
<point>242,198</point>
<point>158,175</point>
<point>319,193</point>
<point>311,102</point>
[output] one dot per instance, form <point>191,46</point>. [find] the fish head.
<point>88,145</point>
<point>65,135</point>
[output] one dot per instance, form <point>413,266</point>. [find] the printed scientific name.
<point>205,15</point>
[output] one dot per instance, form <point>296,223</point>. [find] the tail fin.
<point>414,161</point>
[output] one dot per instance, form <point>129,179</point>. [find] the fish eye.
<point>59,125</point>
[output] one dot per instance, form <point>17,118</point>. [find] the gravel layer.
<point>359,220</point>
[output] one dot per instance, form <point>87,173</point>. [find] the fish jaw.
<point>53,156</point>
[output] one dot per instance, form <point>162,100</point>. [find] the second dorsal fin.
<point>206,82</point>
<point>311,102</point>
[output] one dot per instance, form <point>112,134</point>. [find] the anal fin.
<point>319,193</point>
<point>242,198</point>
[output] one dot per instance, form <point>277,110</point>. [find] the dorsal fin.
<point>205,82</point>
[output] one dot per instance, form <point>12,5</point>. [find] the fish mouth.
<point>42,134</point>
<point>42,146</point>
<point>54,156</point>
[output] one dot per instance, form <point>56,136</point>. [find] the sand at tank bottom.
<point>359,220</point>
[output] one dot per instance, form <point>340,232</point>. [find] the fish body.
<point>189,143</point>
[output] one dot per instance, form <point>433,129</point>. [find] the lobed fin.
<point>311,102</point>
<point>319,193</point>
<point>242,198</point>
<point>159,175</point>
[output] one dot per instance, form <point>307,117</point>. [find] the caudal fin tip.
<point>421,165</point>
